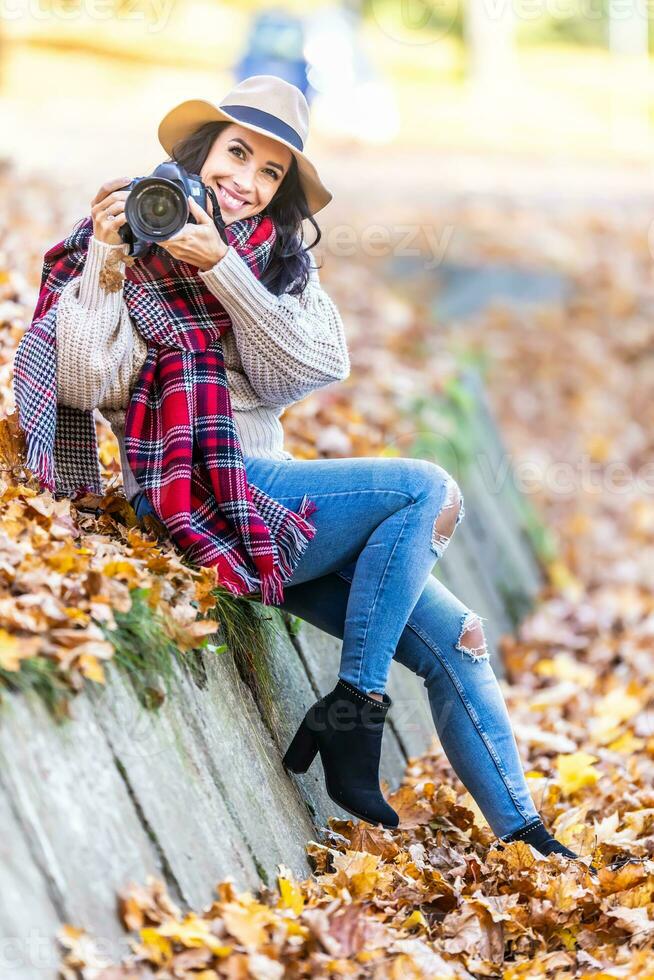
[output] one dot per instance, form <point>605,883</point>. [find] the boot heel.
<point>302,750</point>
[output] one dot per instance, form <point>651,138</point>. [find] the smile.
<point>231,202</point>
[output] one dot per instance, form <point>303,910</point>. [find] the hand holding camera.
<point>168,208</point>
<point>198,244</point>
<point>108,211</point>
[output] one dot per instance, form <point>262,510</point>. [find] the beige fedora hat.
<point>265,104</point>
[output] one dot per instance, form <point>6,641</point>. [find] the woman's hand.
<point>198,244</point>
<point>108,211</point>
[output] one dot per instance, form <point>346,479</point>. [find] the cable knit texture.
<point>279,349</point>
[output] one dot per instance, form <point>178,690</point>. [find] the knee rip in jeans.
<point>449,517</point>
<point>471,638</point>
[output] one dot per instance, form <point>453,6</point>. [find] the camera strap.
<point>217,216</point>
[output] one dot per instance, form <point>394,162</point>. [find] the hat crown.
<point>274,95</point>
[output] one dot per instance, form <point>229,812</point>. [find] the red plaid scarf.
<point>180,437</point>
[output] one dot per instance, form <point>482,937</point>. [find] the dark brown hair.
<point>289,261</point>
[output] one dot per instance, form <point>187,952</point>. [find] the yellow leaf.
<point>627,744</point>
<point>9,651</point>
<point>77,615</point>
<point>361,870</point>
<point>69,931</point>
<point>576,771</point>
<point>14,649</point>
<point>567,938</point>
<point>415,919</point>
<point>121,570</point>
<point>12,442</point>
<point>68,558</point>
<point>246,919</point>
<point>291,895</point>
<point>205,582</point>
<point>91,668</point>
<point>566,668</point>
<point>599,447</point>
<point>621,703</point>
<point>109,452</point>
<point>564,580</point>
<point>193,931</point>
<point>158,949</point>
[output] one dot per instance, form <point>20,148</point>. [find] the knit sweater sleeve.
<point>288,345</point>
<point>98,349</point>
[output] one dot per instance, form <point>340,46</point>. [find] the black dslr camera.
<point>157,206</point>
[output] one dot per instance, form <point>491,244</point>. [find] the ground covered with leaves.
<point>571,387</point>
<point>67,570</point>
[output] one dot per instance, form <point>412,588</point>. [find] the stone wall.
<point>196,791</point>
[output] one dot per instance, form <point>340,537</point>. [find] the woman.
<point>380,524</point>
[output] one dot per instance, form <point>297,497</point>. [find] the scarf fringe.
<point>40,461</point>
<point>307,507</point>
<point>294,538</point>
<point>291,545</point>
<point>238,581</point>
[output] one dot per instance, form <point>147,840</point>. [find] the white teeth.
<point>231,200</point>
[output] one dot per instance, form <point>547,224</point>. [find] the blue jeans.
<point>366,577</point>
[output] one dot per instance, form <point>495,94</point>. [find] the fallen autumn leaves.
<point>64,571</point>
<point>437,898</point>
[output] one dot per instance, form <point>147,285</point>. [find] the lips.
<point>230,199</point>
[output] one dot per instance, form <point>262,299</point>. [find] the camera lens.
<point>156,209</point>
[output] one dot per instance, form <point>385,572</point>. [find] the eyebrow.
<point>237,139</point>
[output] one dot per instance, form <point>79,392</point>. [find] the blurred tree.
<point>628,27</point>
<point>490,37</point>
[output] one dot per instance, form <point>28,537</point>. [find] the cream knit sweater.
<point>279,349</point>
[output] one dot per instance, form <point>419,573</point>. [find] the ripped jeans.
<point>365,577</point>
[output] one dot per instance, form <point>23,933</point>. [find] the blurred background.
<point>476,94</point>
<point>492,218</point>
<point>491,166</point>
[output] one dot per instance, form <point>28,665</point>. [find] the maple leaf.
<point>575,771</point>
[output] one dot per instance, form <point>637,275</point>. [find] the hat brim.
<point>187,117</point>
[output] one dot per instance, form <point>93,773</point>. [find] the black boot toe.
<point>346,727</point>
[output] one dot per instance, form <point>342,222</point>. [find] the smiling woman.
<point>204,344</point>
<point>254,174</point>
<point>242,174</point>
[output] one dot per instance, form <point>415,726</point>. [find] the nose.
<point>245,180</point>
<point>243,187</point>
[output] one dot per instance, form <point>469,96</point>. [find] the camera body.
<point>157,206</point>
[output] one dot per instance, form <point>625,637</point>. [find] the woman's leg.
<point>394,517</point>
<point>443,642</point>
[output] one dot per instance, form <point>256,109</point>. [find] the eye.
<point>241,153</point>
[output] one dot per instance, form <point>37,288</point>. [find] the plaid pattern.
<point>180,437</point>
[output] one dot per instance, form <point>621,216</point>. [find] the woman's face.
<point>245,169</point>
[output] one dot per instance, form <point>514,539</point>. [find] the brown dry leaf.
<point>568,382</point>
<point>247,920</point>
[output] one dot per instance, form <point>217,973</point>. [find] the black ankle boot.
<point>346,727</point>
<point>537,834</point>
